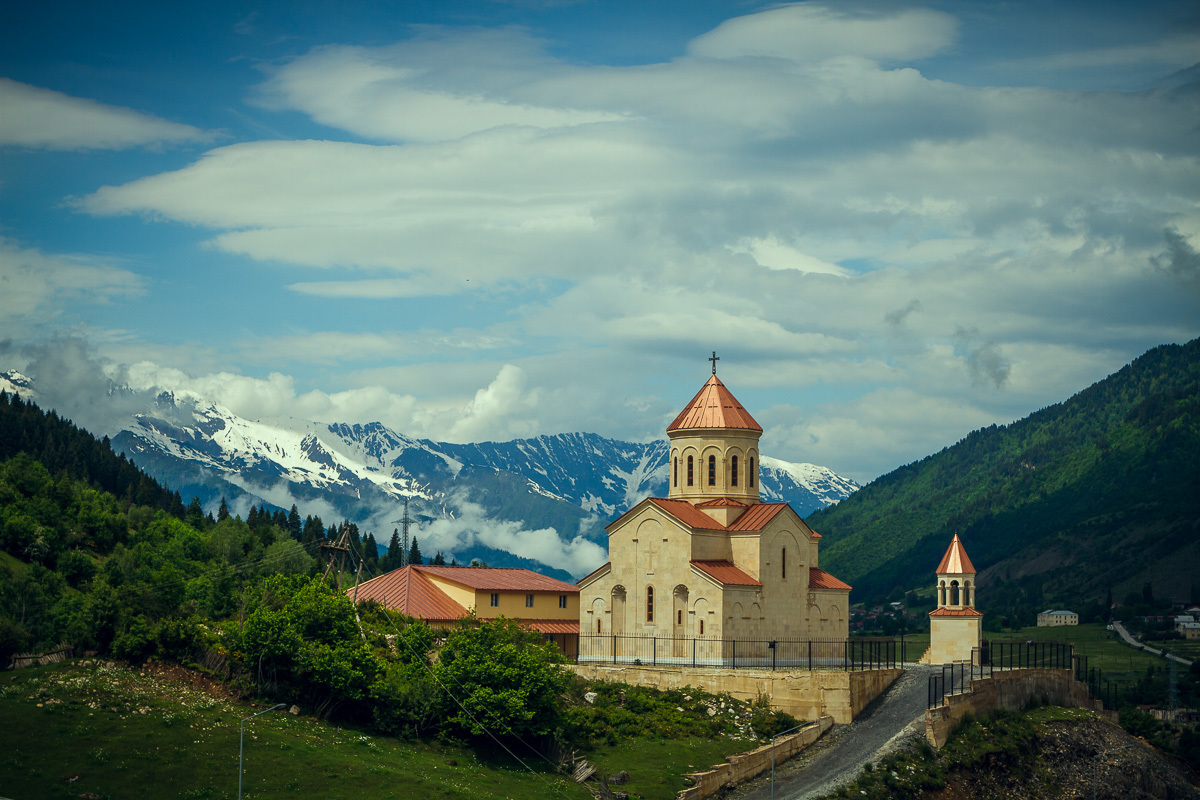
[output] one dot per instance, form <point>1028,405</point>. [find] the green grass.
<point>70,729</point>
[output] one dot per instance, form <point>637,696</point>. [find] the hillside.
<point>1098,493</point>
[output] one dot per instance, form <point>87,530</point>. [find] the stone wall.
<point>806,695</point>
<point>1014,690</point>
<point>744,766</point>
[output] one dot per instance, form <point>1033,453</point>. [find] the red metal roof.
<point>955,562</point>
<point>551,625</point>
<point>820,579</point>
<point>687,513</point>
<point>714,406</point>
<point>500,579</point>
<point>408,591</point>
<point>757,516</point>
<point>720,502</point>
<point>726,573</point>
<point>955,612</point>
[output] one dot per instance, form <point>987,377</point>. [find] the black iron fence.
<point>991,656</point>
<point>841,654</point>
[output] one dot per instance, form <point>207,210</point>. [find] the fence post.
<point>734,653</point>
<point>693,651</point>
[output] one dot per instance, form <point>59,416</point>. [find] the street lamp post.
<point>1096,765</point>
<point>773,738</point>
<point>242,740</point>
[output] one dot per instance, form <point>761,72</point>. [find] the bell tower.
<point>954,629</point>
<point>714,448</point>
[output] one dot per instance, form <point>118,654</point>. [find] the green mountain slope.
<point>1098,493</point>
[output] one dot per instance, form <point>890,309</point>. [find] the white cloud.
<point>36,286</point>
<point>47,120</point>
<point>473,525</point>
<point>810,32</point>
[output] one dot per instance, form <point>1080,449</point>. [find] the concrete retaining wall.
<point>1013,690</point>
<point>806,695</point>
<point>744,766</point>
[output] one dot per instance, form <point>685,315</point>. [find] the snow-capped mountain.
<point>491,496</point>
<point>14,382</point>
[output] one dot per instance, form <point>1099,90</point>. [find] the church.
<point>711,560</point>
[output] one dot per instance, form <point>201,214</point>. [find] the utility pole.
<point>342,547</point>
<point>404,521</point>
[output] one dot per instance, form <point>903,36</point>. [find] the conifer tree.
<point>223,511</point>
<point>393,559</point>
<point>414,554</point>
<point>439,560</point>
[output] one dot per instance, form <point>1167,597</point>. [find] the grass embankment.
<point>84,728</point>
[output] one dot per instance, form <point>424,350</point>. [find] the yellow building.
<point>954,629</point>
<point>711,561</point>
<point>443,595</point>
<point>1054,619</point>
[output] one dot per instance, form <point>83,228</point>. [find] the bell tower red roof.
<point>714,406</point>
<point>955,562</point>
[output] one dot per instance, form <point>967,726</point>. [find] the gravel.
<point>838,756</point>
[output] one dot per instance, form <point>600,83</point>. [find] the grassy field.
<point>1104,649</point>
<point>94,729</point>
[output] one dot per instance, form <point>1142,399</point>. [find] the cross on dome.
<point>715,358</point>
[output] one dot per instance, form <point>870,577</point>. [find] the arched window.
<point>597,626</point>
<point>690,470</point>
<point>750,478</point>
<point>942,593</point>
<point>701,627</point>
<point>712,470</point>
<point>953,593</point>
<point>966,593</point>
<point>649,604</point>
<point>679,617</point>
<point>733,476</point>
<point>783,563</point>
<point>675,473</point>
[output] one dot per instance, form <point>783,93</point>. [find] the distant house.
<point>1184,619</point>
<point>1053,619</point>
<point>444,595</point>
<point>1190,630</point>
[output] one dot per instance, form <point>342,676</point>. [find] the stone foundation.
<point>1014,690</point>
<point>806,695</point>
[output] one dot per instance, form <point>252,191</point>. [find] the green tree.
<point>507,680</point>
<point>414,553</point>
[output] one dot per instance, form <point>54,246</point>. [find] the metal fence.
<point>955,678</point>
<point>840,654</point>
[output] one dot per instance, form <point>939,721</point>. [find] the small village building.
<point>712,562</point>
<point>1054,619</point>
<point>444,595</point>
<point>1183,619</point>
<point>1190,630</point>
<point>954,626</point>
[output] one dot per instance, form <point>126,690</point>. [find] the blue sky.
<point>894,222</point>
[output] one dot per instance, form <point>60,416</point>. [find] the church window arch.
<point>783,564</point>
<point>690,472</point>
<point>966,593</point>
<point>750,476</point>
<point>733,471</point>
<point>712,470</point>
<point>597,626</point>
<point>649,604</point>
<point>701,627</point>
<point>953,593</point>
<point>942,593</point>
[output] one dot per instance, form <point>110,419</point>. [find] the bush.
<point>136,643</point>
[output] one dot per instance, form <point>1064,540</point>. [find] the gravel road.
<point>839,755</point>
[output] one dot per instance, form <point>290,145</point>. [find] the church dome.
<point>714,406</point>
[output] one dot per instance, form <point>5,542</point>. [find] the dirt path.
<point>839,755</point>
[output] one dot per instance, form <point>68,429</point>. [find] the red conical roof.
<point>714,406</point>
<point>955,562</point>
